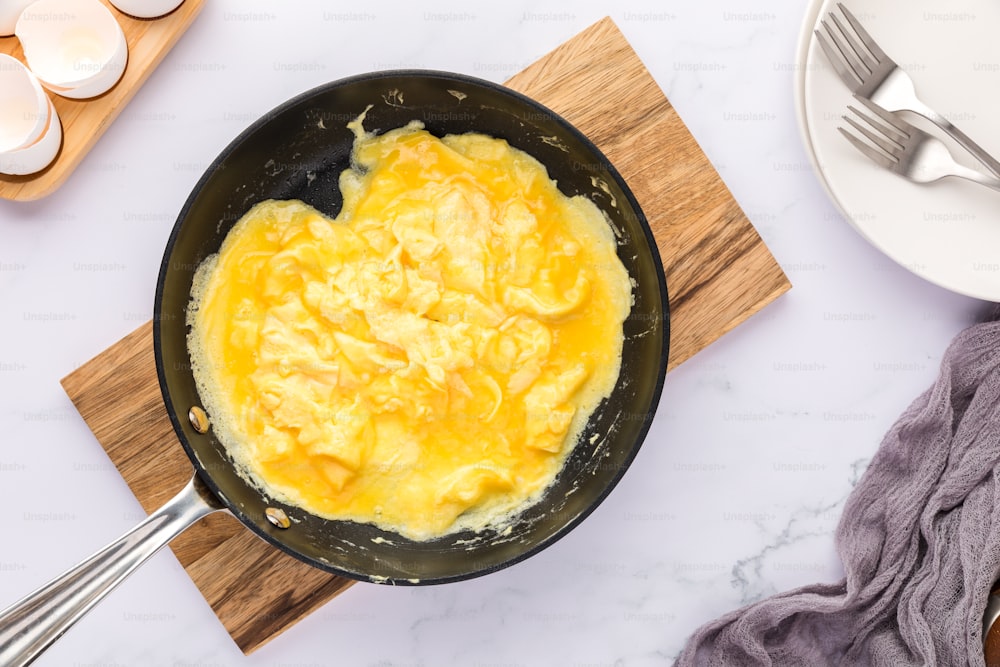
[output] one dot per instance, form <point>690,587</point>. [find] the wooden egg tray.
<point>84,121</point>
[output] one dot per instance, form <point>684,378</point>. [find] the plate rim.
<point>802,68</point>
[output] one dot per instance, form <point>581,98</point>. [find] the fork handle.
<point>976,176</point>
<point>982,179</point>
<point>962,138</point>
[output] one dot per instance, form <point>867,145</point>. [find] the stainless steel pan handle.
<point>31,625</point>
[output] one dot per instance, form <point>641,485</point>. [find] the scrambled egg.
<point>426,360</point>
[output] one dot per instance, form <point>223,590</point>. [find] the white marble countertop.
<point>758,439</point>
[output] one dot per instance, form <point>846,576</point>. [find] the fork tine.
<point>862,33</point>
<point>900,125</point>
<point>859,49</point>
<point>838,60</point>
<point>875,156</point>
<point>878,138</point>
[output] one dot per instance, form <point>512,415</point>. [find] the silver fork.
<point>873,75</point>
<point>907,150</point>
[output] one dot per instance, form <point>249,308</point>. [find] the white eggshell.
<point>38,155</point>
<point>9,11</point>
<point>147,9</point>
<point>24,106</point>
<point>76,48</point>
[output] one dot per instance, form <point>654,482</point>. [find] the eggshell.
<point>24,106</point>
<point>76,48</point>
<point>9,11</point>
<point>147,9</point>
<point>38,155</point>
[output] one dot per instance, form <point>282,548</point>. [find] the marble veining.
<point>759,438</point>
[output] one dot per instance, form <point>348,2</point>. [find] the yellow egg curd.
<point>426,360</point>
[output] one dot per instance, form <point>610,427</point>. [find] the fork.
<point>907,150</point>
<point>871,74</point>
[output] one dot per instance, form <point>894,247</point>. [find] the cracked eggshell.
<point>9,11</point>
<point>147,9</point>
<point>38,155</point>
<point>24,106</point>
<point>76,48</point>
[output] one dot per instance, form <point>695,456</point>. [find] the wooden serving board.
<point>84,121</point>
<point>718,274</point>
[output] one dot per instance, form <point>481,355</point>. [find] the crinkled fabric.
<point>919,539</point>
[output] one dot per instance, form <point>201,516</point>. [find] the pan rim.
<point>219,161</point>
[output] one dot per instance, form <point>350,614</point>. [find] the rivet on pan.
<point>277,517</point>
<point>198,419</point>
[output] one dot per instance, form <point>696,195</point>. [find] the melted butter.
<point>426,360</point>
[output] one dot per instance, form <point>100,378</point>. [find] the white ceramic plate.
<point>947,232</point>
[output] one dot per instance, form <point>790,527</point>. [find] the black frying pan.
<point>297,151</point>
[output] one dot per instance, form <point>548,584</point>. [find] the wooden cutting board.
<point>718,274</point>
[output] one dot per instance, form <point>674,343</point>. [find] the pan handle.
<point>31,625</point>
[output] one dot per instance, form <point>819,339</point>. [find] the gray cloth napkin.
<point>919,539</point>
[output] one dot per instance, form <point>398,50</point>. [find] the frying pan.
<point>297,151</point>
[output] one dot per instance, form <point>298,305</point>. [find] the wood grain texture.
<point>254,589</point>
<point>84,121</point>
<point>991,642</point>
<point>718,271</point>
